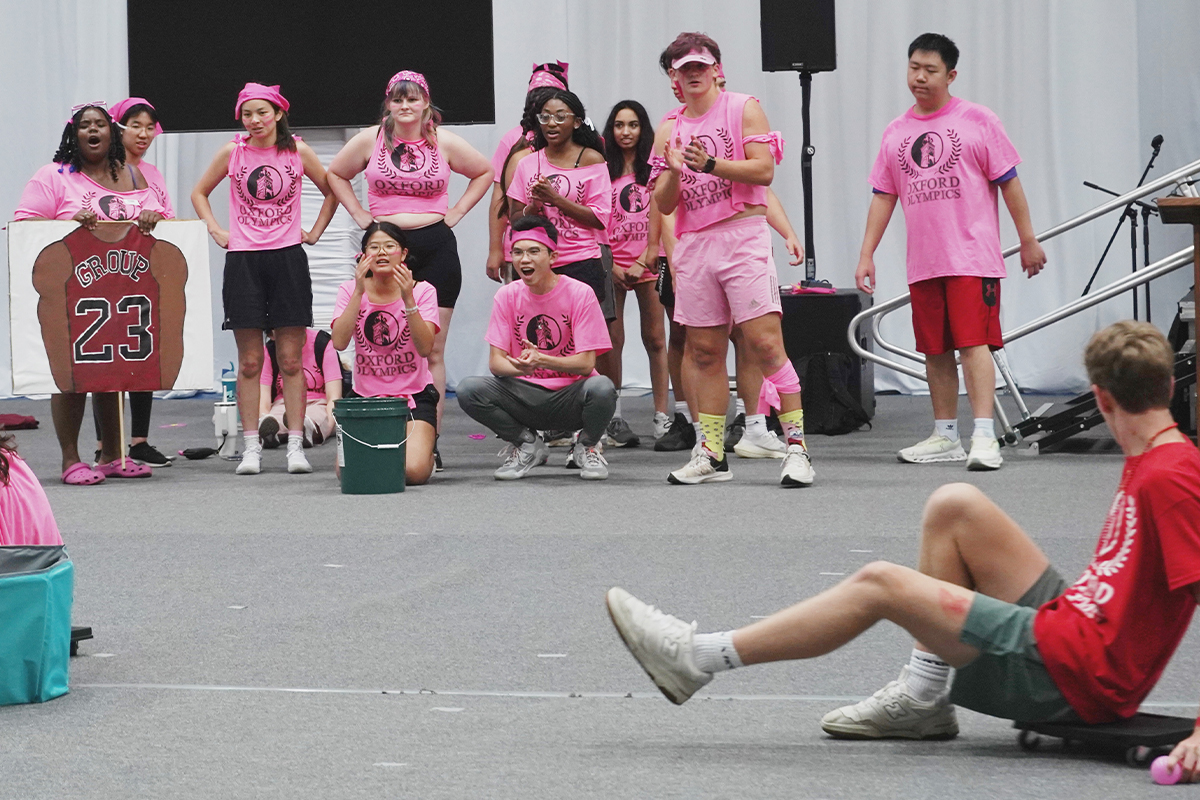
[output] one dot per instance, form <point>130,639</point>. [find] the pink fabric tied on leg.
<point>784,380</point>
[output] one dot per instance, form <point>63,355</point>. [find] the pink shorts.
<point>725,273</point>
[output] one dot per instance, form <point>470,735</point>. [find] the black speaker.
<point>817,323</point>
<point>798,35</point>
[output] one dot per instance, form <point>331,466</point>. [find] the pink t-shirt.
<point>56,191</point>
<point>315,375</point>
<point>942,167</point>
<point>587,186</point>
<point>264,197</point>
<point>564,321</point>
<point>502,150</point>
<point>25,515</point>
<point>155,179</point>
<point>705,199</point>
<point>629,227</point>
<point>386,364</point>
<point>413,179</point>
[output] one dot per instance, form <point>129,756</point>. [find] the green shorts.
<point>1009,679</point>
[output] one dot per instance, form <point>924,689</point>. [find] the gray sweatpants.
<point>510,406</point>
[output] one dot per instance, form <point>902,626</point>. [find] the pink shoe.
<point>80,474</point>
<point>132,469</point>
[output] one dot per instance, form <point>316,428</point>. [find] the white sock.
<point>947,428</point>
<point>617,412</point>
<point>681,407</point>
<point>927,675</point>
<point>739,406</point>
<point>756,425</point>
<point>295,440</point>
<point>700,437</point>
<point>985,428</point>
<point>252,442</point>
<point>714,652</point>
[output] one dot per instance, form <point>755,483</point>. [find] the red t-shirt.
<point>1107,639</point>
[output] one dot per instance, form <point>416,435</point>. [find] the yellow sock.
<point>793,426</point>
<point>713,426</point>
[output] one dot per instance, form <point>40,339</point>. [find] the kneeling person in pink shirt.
<point>545,333</point>
<point>322,384</point>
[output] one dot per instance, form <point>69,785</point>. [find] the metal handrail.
<point>1159,268</point>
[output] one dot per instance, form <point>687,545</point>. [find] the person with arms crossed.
<point>944,159</point>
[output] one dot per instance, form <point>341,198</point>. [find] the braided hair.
<point>534,100</point>
<point>68,153</point>
<point>584,135</point>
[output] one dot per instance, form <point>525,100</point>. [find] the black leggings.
<point>139,409</point>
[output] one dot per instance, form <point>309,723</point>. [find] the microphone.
<point>1157,142</point>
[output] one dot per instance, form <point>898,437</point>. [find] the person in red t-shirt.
<point>985,600</point>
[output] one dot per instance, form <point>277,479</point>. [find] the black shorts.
<point>426,402</point>
<point>267,289</point>
<point>433,258</point>
<point>666,290</point>
<point>591,271</point>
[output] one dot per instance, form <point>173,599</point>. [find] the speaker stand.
<point>806,155</point>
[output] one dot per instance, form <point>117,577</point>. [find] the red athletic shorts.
<point>954,312</point>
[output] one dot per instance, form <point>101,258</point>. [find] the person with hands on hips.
<point>267,285</point>
<point>393,320</point>
<point>944,160</point>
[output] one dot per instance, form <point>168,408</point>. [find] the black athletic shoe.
<point>734,431</point>
<point>437,460</point>
<point>680,436</point>
<point>620,435</point>
<point>268,433</point>
<point>149,455</point>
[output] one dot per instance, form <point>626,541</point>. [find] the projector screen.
<point>332,60</point>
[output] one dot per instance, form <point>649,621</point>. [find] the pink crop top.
<point>413,179</point>
<point>704,199</point>
<point>264,197</point>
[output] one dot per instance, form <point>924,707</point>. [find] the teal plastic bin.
<point>36,590</point>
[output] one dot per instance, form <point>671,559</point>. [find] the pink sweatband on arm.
<point>534,235</point>
<point>256,91</point>
<point>774,140</point>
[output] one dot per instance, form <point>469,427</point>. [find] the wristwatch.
<point>710,166</point>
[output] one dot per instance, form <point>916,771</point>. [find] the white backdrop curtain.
<point>1081,86</point>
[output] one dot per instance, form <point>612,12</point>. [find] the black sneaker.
<point>558,438</point>
<point>680,436</point>
<point>734,431</point>
<point>437,460</point>
<point>149,455</point>
<point>268,433</point>
<point>620,435</point>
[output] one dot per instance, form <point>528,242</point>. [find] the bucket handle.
<point>397,446</point>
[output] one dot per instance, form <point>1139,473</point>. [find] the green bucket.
<point>370,442</point>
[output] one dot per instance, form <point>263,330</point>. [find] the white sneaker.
<point>893,713</point>
<point>590,462</point>
<point>662,424</point>
<point>797,468</point>
<point>297,461</point>
<point>935,448</point>
<point>662,644</point>
<point>755,444</point>
<point>251,461</point>
<point>703,468</point>
<point>985,454</point>
<point>518,461</point>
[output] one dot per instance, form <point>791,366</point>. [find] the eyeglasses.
<point>387,247</point>
<point>560,117</point>
<point>532,252</point>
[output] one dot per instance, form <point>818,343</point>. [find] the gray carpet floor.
<point>268,636</point>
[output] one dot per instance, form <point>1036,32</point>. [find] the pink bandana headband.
<point>256,91</point>
<point>411,77</point>
<point>538,235</point>
<point>120,108</point>
<point>542,76</point>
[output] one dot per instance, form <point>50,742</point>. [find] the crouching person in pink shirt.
<point>25,515</point>
<point>545,333</point>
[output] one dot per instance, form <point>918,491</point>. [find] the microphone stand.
<point>1156,144</point>
<point>1132,214</point>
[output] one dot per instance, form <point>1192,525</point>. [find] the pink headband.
<point>538,235</point>
<point>120,108</point>
<point>256,91</point>
<point>408,75</point>
<point>544,77</point>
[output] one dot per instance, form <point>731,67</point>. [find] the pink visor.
<point>697,55</point>
<point>538,235</point>
<point>120,108</point>
<point>256,91</point>
<point>545,77</point>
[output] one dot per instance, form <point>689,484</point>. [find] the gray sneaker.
<point>662,644</point>
<point>893,713</point>
<point>590,462</point>
<point>620,435</point>
<point>518,461</point>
